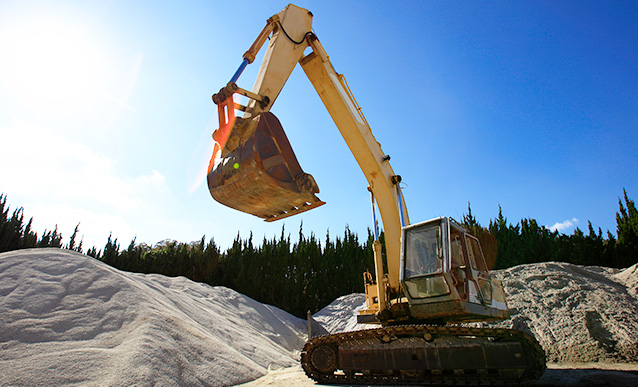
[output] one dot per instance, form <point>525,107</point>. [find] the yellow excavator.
<point>436,277</point>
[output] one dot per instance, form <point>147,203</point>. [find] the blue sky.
<point>106,116</point>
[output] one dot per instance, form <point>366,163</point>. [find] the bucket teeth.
<point>260,174</point>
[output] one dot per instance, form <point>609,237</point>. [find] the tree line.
<point>310,273</point>
<point>296,277</point>
<point>506,245</point>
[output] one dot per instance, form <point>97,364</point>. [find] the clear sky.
<point>106,116</point>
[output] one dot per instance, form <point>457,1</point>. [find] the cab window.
<point>422,253</point>
<point>424,262</point>
<point>476,255</point>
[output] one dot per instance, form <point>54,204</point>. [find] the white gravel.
<point>68,319</point>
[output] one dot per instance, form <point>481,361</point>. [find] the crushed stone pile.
<point>66,318</point>
<point>340,315</point>
<point>577,313</point>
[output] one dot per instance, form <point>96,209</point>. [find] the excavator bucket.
<point>260,175</point>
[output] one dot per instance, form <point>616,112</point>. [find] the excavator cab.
<point>444,275</point>
<point>254,169</point>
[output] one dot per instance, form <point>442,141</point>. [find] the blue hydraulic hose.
<point>401,206</point>
<point>374,219</point>
<point>240,70</point>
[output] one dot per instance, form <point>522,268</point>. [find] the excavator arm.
<point>238,138</point>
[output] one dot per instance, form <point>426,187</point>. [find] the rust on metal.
<point>257,172</point>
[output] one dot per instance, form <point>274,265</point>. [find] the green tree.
<point>507,239</point>
<point>14,234</point>
<point>111,251</point>
<point>627,230</point>
<point>486,238</point>
<point>71,245</point>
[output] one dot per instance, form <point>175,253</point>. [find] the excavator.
<point>432,279</point>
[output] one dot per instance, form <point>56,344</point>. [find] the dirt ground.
<point>557,374</point>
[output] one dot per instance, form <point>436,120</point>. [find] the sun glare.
<point>55,66</point>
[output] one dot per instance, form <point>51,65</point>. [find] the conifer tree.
<point>111,251</point>
<point>71,245</point>
<point>507,238</point>
<point>484,235</point>
<point>627,230</point>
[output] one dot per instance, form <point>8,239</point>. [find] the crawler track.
<point>424,355</point>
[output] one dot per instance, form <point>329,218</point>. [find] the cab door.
<point>459,271</point>
<point>479,269</point>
